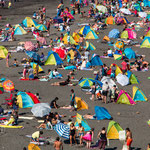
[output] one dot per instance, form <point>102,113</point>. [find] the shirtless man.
<point>58,144</point>
<point>128,138</point>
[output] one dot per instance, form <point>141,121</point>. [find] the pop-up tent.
<point>81,104</point>
<point>68,39</point>
<point>132,78</point>
<point>29,22</point>
<point>91,35</point>
<point>117,71</point>
<point>110,20</point>
<point>19,30</point>
<point>3,52</point>
<point>124,98</point>
<point>95,60</point>
<point>41,27</point>
<point>89,46</point>
<point>146,3</point>
<point>145,43</point>
<point>34,65</point>
<point>114,33</point>
<point>84,30</point>
<point>102,8</point>
<point>113,130</point>
<point>76,36</point>
<point>60,51</point>
<point>26,100</point>
<point>53,59</point>
<point>80,119</point>
<point>138,95</point>
<point>128,34</point>
<point>129,53</point>
<point>102,113</point>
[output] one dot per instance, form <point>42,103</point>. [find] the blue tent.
<point>146,3</point>
<point>114,33</point>
<point>33,55</point>
<point>129,53</point>
<point>102,113</point>
<point>120,3</point>
<point>85,29</point>
<point>96,61</point>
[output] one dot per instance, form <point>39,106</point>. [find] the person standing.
<point>102,138</point>
<point>105,88</point>
<point>72,99</point>
<point>148,146</point>
<point>128,138</point>
<point>72,133</point>
<point>58,144</point>
<point>113,70</point>
<point>81,133</point>
<point>93,88</point>
<point>7,59</point>
<point>124,66</point>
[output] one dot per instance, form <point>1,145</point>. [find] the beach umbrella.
<point>119,45</point>
<point>125,11</point>
<point>8,86</point>
<point>41,109</point>
<point>33,55</point>
<point>29,46</point>
<point>42,40</point>
<point>86,82</point>
<point>61,52</point>
<point>62,130</point>
<point>41,27</point>
<point>102,8</point>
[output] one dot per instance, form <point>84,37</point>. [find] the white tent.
<point>122,79</point>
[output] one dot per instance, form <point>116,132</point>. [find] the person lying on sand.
<point>9,122</point>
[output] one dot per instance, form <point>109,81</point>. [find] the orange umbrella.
<point>32,146</point>
<point>8,86</point>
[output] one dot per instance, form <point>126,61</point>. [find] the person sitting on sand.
<point>9,122</point>
<point>148,146</point>
<point>58,144</point>
<point>36,135</point>
<point>45,125</point>
<point>30,73</point>
<point>81,133</point>
<point>62,83</point>
<point>53,103</point>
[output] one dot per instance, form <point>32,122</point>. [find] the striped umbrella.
<point>86,82</point>
<point>119,45</point>
<point>8,86</point>
<point>62,130</point>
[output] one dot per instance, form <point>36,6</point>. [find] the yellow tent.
<point>34,67</point>
<point>32,146</point>
<point>113,130</point>
<point>70,38</point>
<point>148,33</point>
<point>106,38</point>
<point>81,104</point>
<point>3,52</point>
<point>118,70</point>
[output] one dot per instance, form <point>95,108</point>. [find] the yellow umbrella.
<point>32,146</point>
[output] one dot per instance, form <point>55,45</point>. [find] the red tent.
<point>34,98</point>
<point>61,52</point>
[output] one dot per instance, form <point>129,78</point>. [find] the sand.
<point>126,115</point>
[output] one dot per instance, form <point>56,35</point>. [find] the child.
<point>24,72</point>
<point>16,63</point>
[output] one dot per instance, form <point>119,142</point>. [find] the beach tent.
<point>81,104</point>
<point>53,59</point>
<point>29,22</point>
<point>41,109</point>
<point>29,46</point>
<point>106,38</point>
<point>125,20</point>
<point>137,7</point>
<point>76,37</point>
<point>60,51</point>
<point>102,113</point>
<point>62,130</point>
<point>41,27</point>
<point>33,65</point>
<point>32,146</point>
<point>3,52</point>
<point>129,53</point>
<point>24,100</point>
<point>80,119</point>
<point>71,52</point>
<point>147,33</point>
<point>111,83</point>
<point>138,95</point>
<point>86,82</point>
<point>42,40</point>
<point>91,35</point>
<point>85,29</point>
<point>19,30</point>
<point>145,43</point>
<point>123,80</point>
<point>124,98</point>
<point>110,20</point>
<point>95,60</point>
<point>34,98</point>
<point>113,130</point>
<point>102,8</point>
<point>132,78</point>
<point>119,45</point>
<point>128,34</point>
<point>89,46</point>
<point>1,88</point>
<point>114,33</point>
<point>125,11</point>
<point>117,71</point>
<point>146,3</point>
<point>8,86</point>
<point>33,55</point>
<point>68,39</point>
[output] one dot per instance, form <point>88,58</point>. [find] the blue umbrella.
<point>86,82</point>
<point>62,130</point>
<point>33,55</point>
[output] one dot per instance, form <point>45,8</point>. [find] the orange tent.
<point>110,20</point>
